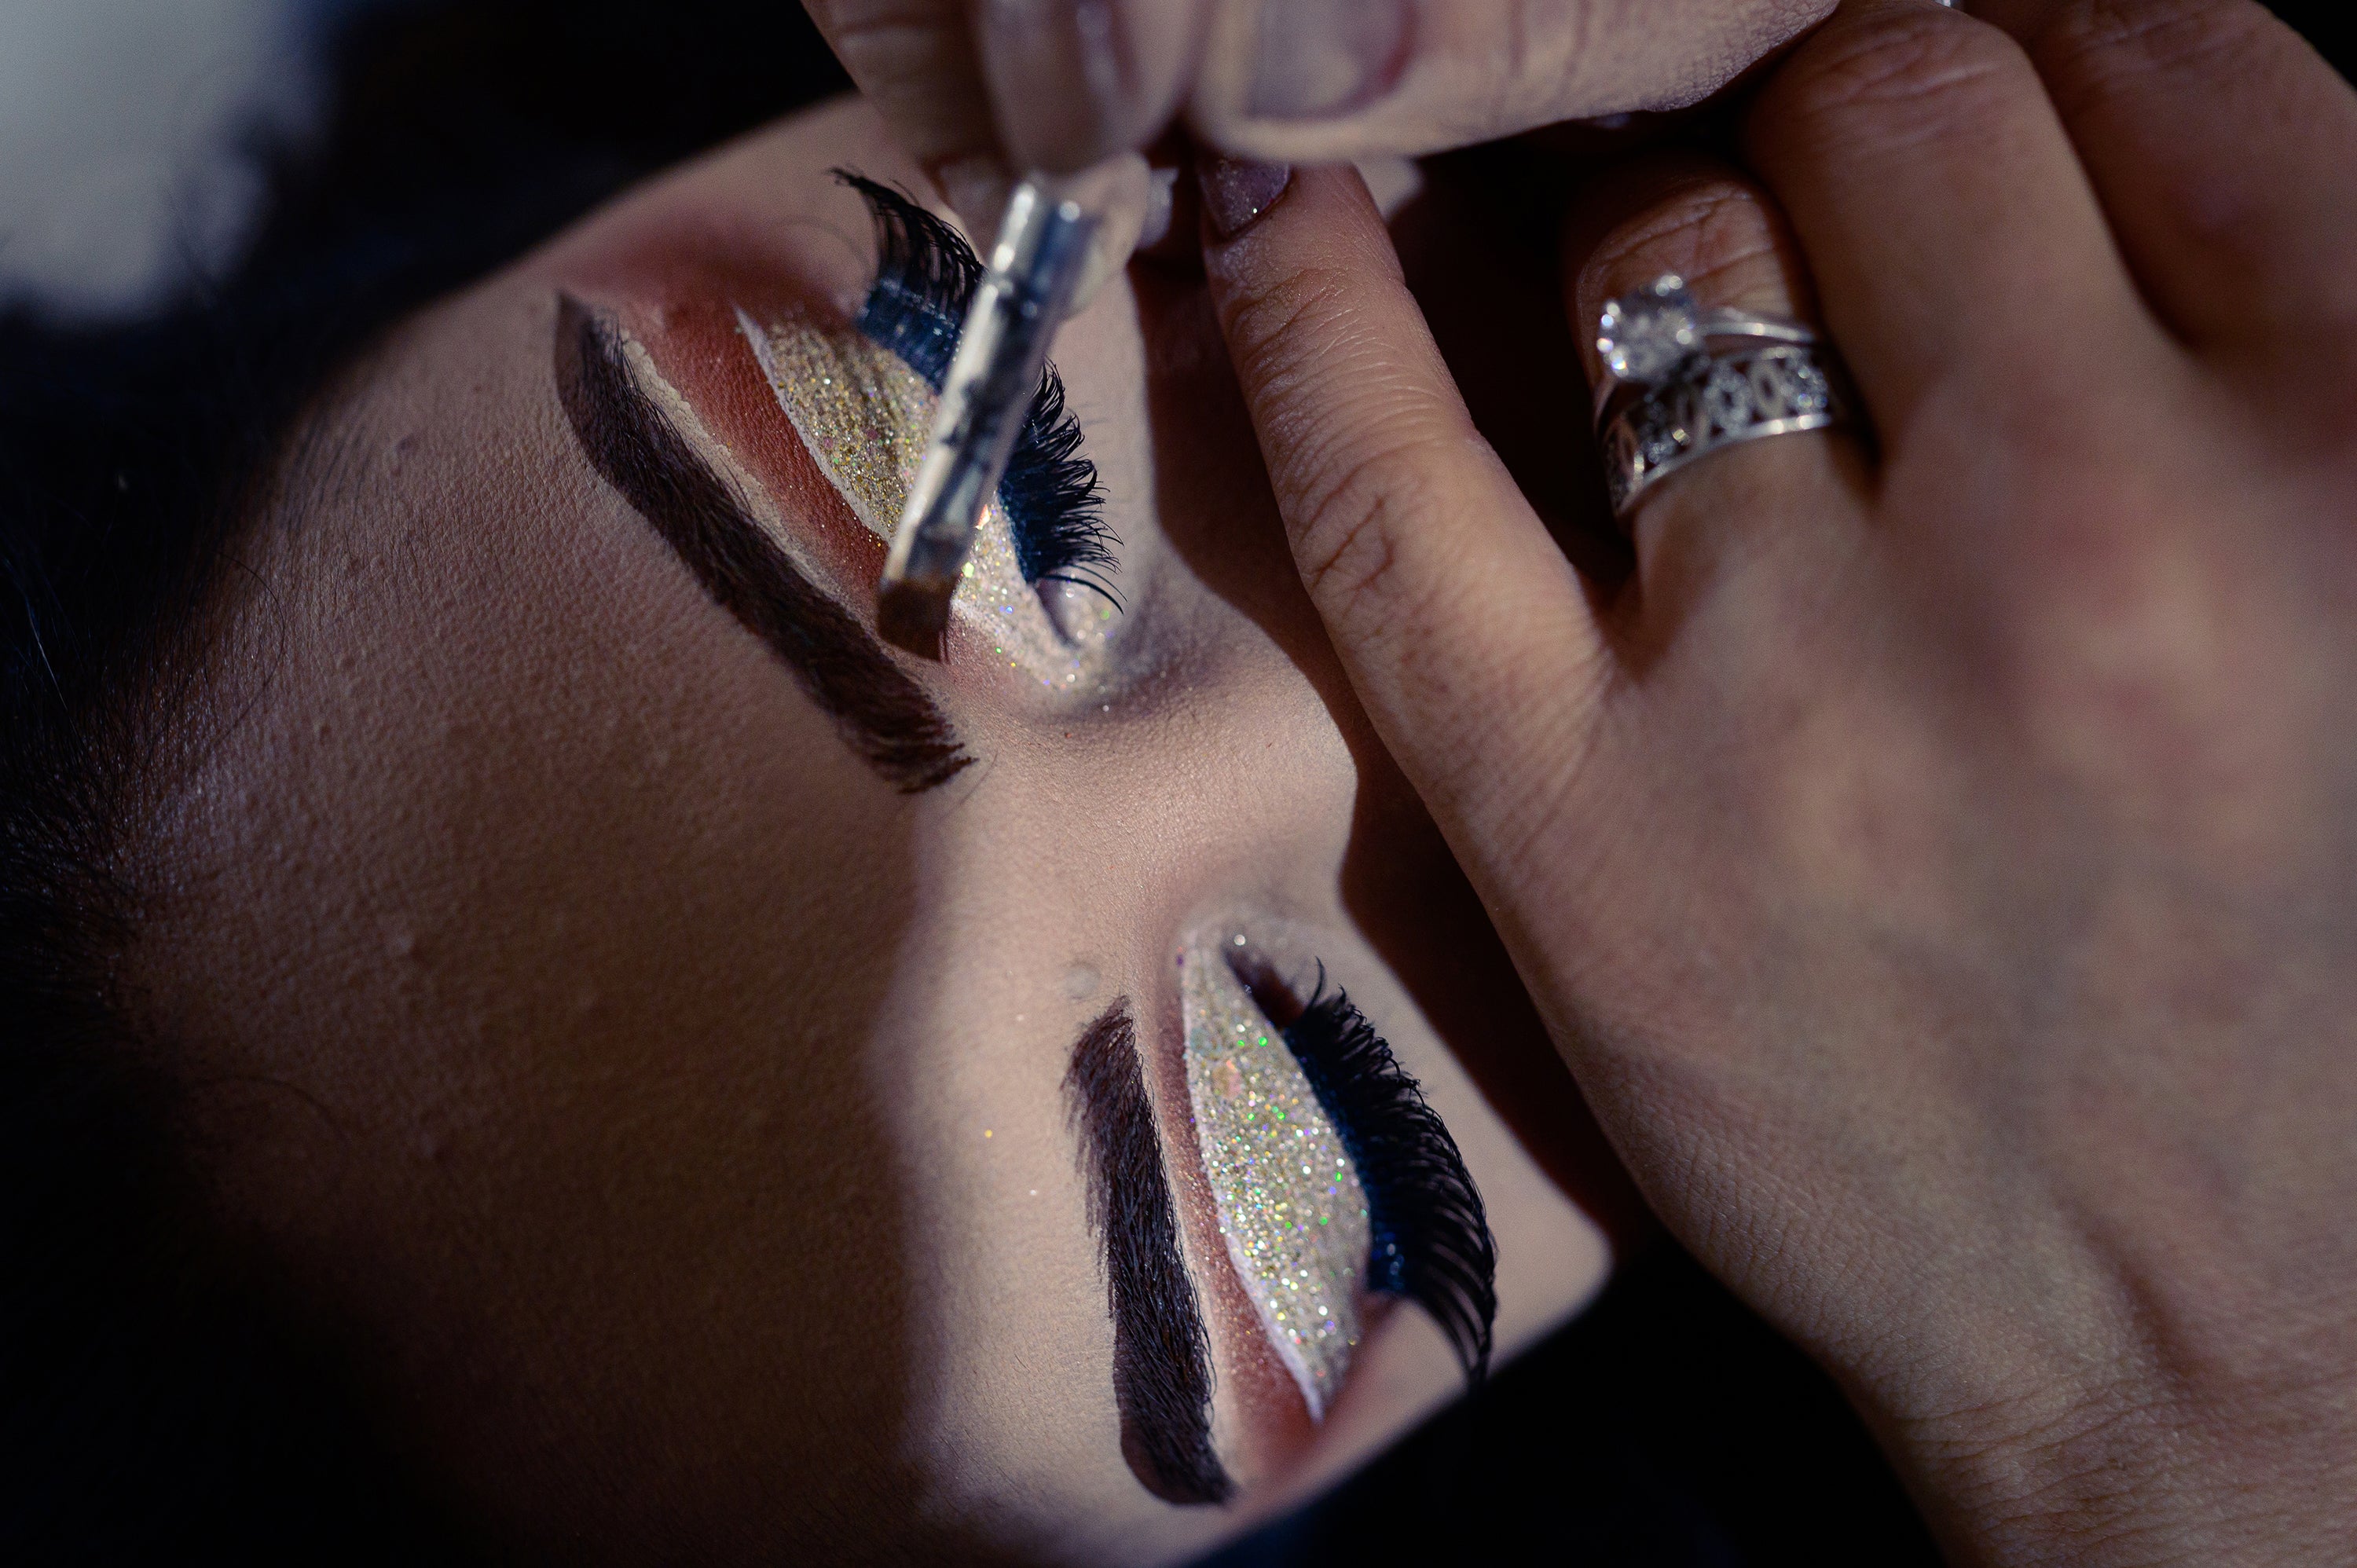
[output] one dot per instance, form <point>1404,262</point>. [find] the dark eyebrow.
<point>882,713</point>
<point>1161,1354</point>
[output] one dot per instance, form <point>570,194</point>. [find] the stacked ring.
<point>1670,397</point>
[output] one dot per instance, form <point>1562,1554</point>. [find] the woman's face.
<point>713,1075</point>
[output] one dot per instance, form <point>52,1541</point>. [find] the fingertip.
<point>1074,82</point>
<point>976,186</point>
<point>1258,214</point>
<point>1236,192</point>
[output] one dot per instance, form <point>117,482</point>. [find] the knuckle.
<point>2121,650</point>
<point>1347,510</point>
<point>1715,233</point>
<point>2095,45</point>
<point>1355,454</point>
<point>1897,69</point>
<point>1277,331</point>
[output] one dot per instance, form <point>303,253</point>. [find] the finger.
<point>1078,80</point>
<point>1951,230</point>
<point>1329,80</point>
<point>2222,146</point>
<point>914,61</point>
<point>1462,627</point>
<point>1117,191</point>
<point>1702,220</point>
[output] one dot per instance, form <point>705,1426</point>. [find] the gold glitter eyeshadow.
<point>864,415</point>
<point>1290,1207</point>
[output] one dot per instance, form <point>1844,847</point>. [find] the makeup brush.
<point>1035,268</point>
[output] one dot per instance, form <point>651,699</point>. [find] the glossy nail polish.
<point>1236,191</point>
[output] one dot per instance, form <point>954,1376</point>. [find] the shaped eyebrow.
<point>880,710</point>
<point>1161,1352</point>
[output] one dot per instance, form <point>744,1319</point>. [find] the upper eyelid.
<point>1051,492</point>
<point>1430,1240</point>
<point>1445,1256</point>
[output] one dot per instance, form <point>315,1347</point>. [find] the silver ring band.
<point>1716,402</point>
<point>1721,323</point>
<point>1704,380</point>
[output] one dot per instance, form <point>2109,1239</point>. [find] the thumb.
<point>1075,81</point>
<point>914,61</point>
<point>1324,81</point>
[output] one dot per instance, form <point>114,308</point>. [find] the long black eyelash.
<point>925,277</point>
<point>1431,1239</point>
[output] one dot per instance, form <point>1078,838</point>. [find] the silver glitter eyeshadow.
<point>864,416</point>
<point>1290,1207</point>
<point>861,411</point>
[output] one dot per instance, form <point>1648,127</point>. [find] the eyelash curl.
<point>1431,1242</point>
<point>925,277</point>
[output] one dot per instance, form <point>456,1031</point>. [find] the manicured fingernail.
<point>1161,203</point>
<point>1236,191</point>
<point>1061,78</point>
<point>1095,41</point>
<point>1322,57</point>
<point>978,186</point>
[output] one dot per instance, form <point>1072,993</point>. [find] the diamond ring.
<point>1768,377</point>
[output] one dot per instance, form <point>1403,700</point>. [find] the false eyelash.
<point>1431,1240</point>
<point>925,277</point>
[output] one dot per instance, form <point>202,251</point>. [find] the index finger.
<point>1464,629</point>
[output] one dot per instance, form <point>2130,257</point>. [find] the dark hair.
<point>153,1406</point>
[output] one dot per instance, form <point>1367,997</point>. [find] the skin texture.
<point>1936,862</point>
<point>973,88</point>
<point>666,1115</point>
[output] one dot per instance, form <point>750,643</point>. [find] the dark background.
<point>1667,1425</point>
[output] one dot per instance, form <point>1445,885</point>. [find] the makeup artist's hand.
<point>1939,863</point>
<point>972,86</point>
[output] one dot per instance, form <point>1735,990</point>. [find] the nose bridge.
<point>1251,795</point>
<point>1101,845</point>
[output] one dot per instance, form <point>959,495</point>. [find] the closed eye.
<point>1430,1240</point>
<point>925,277</point>
<point>1335,1182</point>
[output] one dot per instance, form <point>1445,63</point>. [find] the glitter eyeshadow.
<point>1290,1207</point>
<point>864,416</point>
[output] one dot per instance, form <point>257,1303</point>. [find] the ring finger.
<point>1704,223</point>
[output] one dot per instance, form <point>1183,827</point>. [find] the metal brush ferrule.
<point>1043,243</point>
